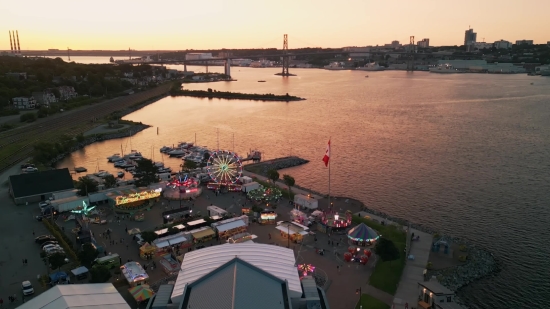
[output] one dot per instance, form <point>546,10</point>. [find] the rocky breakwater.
<point>275,164</point>
<point>478,264</point>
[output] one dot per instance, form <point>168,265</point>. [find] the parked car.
<point>51,242</point>
<point>44,238</point>
<point>48,247</point>
<point>27,288</point>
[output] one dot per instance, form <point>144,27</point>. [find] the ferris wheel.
<point>224,167</point>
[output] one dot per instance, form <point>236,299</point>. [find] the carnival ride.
<point>182,188</point>
<point>335,221</point>
<point>263,194</point>
<point>224,167</point>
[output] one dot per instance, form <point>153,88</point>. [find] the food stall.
<point>203,234</point>
<point>133,200</point>
<point>215,211</point>
<point>292,230</point>
<point>169,264</point>
<point>299,217</point>
<point>230,227</point>
<point>197,224</point>
<point>134,274</point>
<point>171,243</point>
<point>240,238</point>
<point>147,251</point>
<point>267,217</point>
<point>305,201</point>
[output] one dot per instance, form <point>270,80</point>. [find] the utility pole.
<point>69,53</point>
<point>218,130</point>
<point>286,59</point>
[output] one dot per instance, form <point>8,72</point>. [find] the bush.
<point>8,112</point>
<point>429,265</point>
<point>28,117</point>
<point>63,240</point>
<point>463,248</point>
<point>100,274</point>
<point>463,258</point>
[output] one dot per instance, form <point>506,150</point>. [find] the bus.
<point>111,261</point>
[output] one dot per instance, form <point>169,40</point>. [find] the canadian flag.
<point>327,154</point>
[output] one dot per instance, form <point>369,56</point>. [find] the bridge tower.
<point>410,55</point>
<point>11,44</point>
<point>227,68</point>
<point>286,59</point>
<point>18,46</point>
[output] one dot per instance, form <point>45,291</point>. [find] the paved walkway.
<point>407,291</point>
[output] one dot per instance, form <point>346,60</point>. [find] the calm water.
<point>465,154</point>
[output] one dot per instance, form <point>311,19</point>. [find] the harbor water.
<point>466,154</point>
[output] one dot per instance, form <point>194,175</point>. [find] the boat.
<point>120,174</point>
<point>373,66</point>
<point>177,152</point>
<point>335,66</point>
<point>444,68</point>
<point>133,155</point>
<point>159,164</point>
<point>261,81</point>
<point>102,174</point>
<point>112,59</point>
<point>115,157</point>
<point>165,149</point>
<point>80,169</point>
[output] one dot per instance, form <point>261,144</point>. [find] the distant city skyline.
<point>176,25</point>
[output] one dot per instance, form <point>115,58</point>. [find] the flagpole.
<point>330,155</point>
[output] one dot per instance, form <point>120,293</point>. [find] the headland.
<point>234,95</point>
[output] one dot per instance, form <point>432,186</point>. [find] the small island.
<point>232,95</point>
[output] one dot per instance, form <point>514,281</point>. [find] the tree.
<point>110,181</point>
<point>189,165</point>
<point>273,175</point>
<point>100,274</point>
<point>86,185</point>
<point>386,250</point>
<point>149,236</point>
<point>289,181</point>
<point>147,172</point>
<point>206,156</point>
<point>87,255</point>
<point>56,260</point>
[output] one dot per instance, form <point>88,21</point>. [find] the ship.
<point>112,59</point>
<point>444,68</point>
<point>335,66</point>
<point>371,67</point>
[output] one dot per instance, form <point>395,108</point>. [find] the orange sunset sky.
<point>174,25</point>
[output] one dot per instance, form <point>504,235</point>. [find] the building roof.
<point>275,260</point>
<point>237,284</point>
<point>435,287</point>
<point>226,226</point>
<point>41,182</point>
<point>96,295</point>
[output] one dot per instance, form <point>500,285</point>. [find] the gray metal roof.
<point>237,285</point>
<point>162,297</point>
<point>38,183</point>
<point>435,287</point>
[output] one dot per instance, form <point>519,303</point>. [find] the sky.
<point>214,24</point>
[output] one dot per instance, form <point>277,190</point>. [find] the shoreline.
<point>480,264</point>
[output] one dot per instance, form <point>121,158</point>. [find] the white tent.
<point>96,295</point>
<point>278,261</point>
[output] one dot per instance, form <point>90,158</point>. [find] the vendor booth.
<point>134,274</point>
<point>292,230</point>
<point>267,217</point>
<point>203,234</point>
<point>133,200</point>
<point>176,215</point>
<point>215,211</point>
<point>80,273</point>
<point>299,217</point>
<point>172,243</point>
<point>305,202</point>
<point>197,224</point>
<point>141,293</point>
<point>169,264</point>
<point>240,238</point>
<point>230,227</point>
<point>362,235</point>
<point>147,251</point>
<point>246,179</point>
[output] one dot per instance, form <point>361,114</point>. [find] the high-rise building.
<point>425,43</point>
<point>470,37</point>
<point>503,44</point>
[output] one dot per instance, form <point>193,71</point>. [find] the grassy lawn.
<point>386,275</point>
<point>369,302</point>
<point>283,191</point>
